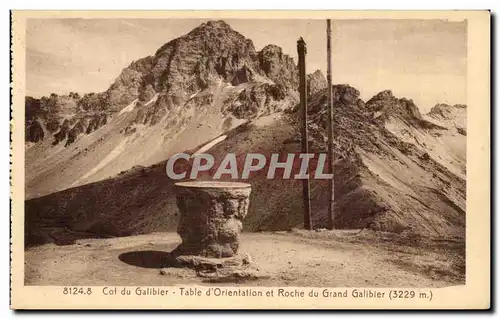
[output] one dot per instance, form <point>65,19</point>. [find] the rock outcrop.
<point>260,99</point>
<point>279,67</point>
<point>316,82</point>
<point>34,132</point>
<point>451,115</point>
<point>385,105</point>
<point>63,118</point>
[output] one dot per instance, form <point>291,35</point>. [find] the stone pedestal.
<point>211,217</point>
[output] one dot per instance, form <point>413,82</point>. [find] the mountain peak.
<point>318,73</point>
<point>316,82</point>
<point>208,34</point>
<point>214,29</point>
<point>218,24</point>
<point>447,111</point>
<point>388,104</point>
<point>383,95</point>
<point>272,48</point>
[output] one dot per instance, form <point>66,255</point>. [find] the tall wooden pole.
<point>302,51</point>
<point>331,160</point>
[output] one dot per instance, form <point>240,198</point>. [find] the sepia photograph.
<point>232,156</point>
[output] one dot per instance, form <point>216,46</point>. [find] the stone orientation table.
<point>211,216</point>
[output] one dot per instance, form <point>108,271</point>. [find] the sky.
<point>424,60</point>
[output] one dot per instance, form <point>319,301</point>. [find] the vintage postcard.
<point>250,160</point>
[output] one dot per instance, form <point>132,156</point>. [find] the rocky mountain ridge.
<point>179,70</point>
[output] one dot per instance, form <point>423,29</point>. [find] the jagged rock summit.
<point>189,64</point>
<point>316,81</point>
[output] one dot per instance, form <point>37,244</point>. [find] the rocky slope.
<point>396,170</point>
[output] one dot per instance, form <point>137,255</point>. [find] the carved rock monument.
<point>210,225</point>
<point>211,217</point>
